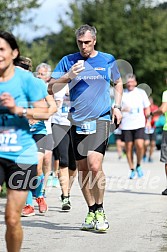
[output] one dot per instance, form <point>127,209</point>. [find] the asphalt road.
<point>136,210</point>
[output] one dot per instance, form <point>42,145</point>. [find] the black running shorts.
<point>17,176</point>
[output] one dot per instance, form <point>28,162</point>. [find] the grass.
<point>3,191</point>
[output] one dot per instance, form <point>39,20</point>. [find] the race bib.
<point>134,110</point>
<point>149,130</point>
<point>87,127</point>
<point>65,109</point>
<point>10,140</point>
<point>32,128</point>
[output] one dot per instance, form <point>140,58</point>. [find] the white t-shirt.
<point>48,122</point>
<point>134,102</point>
<point>60,117</point>
<point>48,125</point>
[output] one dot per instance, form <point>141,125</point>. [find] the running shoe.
<point>28,211</point>
<point>139,172</point>
<point>89,223</point>
<point>56,182</point>
<point>101,222</point>
<point>150,160</point>
<point>164,192</point>
<point>62,197</point>
<point>50,181</point>
<point>66,205</point>
<point>43,207</point>
<point>132,174</point>
<point>144,158</point>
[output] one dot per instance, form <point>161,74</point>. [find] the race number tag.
<point>134,110</point>
<point>149,130</point>
<point>9,140</point>
<point>65,109</point>
<point>32,127</point>
<point>87,127</point>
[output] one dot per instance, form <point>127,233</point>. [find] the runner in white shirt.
<point>135,105</point>
<point>62,141</point>
<point>43,71</point>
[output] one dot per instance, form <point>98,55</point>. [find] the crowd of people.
<point>55,124</point>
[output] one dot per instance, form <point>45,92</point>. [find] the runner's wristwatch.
<point>117,106</point>
<point>24,113</point>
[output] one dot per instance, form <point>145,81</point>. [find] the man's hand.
<point>75,70</point>
<point>55,85</point>
<point>116,115</point>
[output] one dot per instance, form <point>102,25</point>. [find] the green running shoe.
<point>89,223</point>
<point>101,223</point>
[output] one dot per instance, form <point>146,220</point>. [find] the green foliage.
<point>37,51</point>
<point>3,191</point>
<point>16,11</point>
<point>11,12</point>
<point>132,30</point>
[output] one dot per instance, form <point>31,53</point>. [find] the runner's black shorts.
<point>93,142</point>
<point>63,150</point>
<point>118,137</point>
<point>17,176</point>
<point>163,157</point>
<point>40,140</point>
<point>150,137</point>
<point>132,135</point>
<point>49,142</point>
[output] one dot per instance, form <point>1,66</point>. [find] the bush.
<point>3,191</point>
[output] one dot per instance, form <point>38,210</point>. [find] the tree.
<point>11,12</point>
<point>37,51</point>
<point>15,11</point>
<point>133,30</point>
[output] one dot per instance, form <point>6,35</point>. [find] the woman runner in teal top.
<point>18,151</point>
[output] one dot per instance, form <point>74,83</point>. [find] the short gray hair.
<point>84,28</point>
<point>44,65</point>
<point>130,76</point>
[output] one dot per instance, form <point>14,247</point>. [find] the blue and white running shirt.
<point>90,90</point>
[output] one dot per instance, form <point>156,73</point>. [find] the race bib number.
<point>32,128</point>
<point>134,110</point>
<point>9,140</point>
<point>65,109</point>
<point>87,127</point>
<point>149,130</point>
